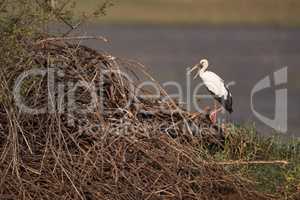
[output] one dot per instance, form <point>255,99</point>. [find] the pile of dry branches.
<point>125,147</point>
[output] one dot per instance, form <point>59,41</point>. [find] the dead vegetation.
<point>125,147</point>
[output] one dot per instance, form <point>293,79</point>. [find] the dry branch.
<point>52,39</point>
<point>254,162</point>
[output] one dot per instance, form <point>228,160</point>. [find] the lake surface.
<point>242,55</point>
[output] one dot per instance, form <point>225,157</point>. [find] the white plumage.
<point>215,86</point>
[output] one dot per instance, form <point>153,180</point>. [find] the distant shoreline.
<point>212,13</point>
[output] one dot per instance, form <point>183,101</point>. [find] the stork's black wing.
<point>228,101</point>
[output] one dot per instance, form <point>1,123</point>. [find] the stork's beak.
<point>197,74</point>
<point>195,67</point>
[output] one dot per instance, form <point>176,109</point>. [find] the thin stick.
<point>241,162</point>
<point>51,39</point>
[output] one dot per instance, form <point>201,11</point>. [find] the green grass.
<point>243,143</point>
<point>215,12</point>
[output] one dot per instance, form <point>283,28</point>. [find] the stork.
<point>216,86</point>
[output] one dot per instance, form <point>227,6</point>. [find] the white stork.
<point>215,85</point>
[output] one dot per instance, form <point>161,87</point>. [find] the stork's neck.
<point>202,70</point>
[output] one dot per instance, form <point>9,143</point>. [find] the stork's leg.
<point>213,115</point>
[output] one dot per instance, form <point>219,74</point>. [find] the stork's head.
<point>203,63</point>
<point>201,66</point>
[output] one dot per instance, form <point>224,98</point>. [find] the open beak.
<point>195,67</point>
<point>196,75</point>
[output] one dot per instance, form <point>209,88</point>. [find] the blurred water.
<point>243,55</point>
